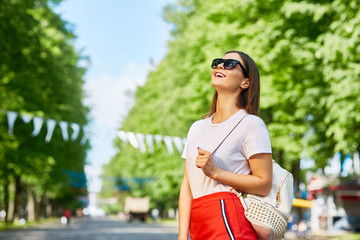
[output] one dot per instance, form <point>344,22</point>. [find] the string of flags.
<point>80,180</point>
<point>124,184</point>
<point>76,179</point>
<point>145,142</point>
<point>38,122</point>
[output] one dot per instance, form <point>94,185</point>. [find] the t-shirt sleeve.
<point>189,134</point>
<point>257,138</point>
<point>183,155</point>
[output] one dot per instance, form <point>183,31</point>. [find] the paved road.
<point>94,229</point>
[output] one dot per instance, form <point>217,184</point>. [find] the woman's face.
<point>229,80</point>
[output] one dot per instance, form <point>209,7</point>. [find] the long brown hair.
<point>248,99</point>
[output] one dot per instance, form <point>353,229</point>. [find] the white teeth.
<point>220,75</point>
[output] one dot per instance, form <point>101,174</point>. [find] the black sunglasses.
<point>228,64</point>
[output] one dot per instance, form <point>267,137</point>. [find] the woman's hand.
<point>204,160</point>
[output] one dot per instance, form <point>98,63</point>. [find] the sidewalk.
<point>324,235</point>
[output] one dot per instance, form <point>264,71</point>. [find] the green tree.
<point>39,75</point>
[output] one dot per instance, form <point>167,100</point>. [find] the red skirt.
<point>219,216</point>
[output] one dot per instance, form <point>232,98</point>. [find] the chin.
<point>218,87</point>
<point>217,82</point>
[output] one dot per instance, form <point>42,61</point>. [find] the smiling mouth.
<point>220,75</point>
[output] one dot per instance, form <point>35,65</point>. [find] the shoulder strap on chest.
<point>229,133</point>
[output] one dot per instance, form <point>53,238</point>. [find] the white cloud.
<point>109,102</point>
<point>107,95</point>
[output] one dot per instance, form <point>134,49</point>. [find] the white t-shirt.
<point>248,138</point>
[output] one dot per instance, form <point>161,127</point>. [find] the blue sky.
<point>120,37</point>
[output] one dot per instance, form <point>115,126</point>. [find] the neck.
<point>225,108</point>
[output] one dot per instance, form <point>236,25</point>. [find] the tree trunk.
<point>6,197</point>
<point>31,204</point>
<point>38,207</point>
<point>17,200</point>
<point>23,201</point>
<point>342,159</point>
<point>10,213</point>
<point>42,211</point>
<point>54,208</point>
<point>297,178</point>
<point>280,161</point>
<point>47,207</point>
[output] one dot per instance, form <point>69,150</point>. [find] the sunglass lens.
<point>216,62</point>
<point>229,64</point>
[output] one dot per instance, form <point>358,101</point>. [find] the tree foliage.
<point>39,75</point>
<point>308,56</point>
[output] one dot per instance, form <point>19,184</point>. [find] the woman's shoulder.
<point>253,120</point>
<point>199,123</point>
<point>197,126</point>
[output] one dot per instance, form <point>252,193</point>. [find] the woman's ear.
<point>245,83</point>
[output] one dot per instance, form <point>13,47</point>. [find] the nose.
<point>221,65</point>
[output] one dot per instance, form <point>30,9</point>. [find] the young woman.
<point>243,161</point>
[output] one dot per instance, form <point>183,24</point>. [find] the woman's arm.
<point>259,182</point>
<point>185,201</point>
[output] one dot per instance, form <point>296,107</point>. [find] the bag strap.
<point>232,189</point>
<point>240,196</point>
<point>280,187</point>
<point>229,133</point>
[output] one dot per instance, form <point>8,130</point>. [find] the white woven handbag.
<point>269,215</point>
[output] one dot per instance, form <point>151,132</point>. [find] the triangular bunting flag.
<point>26,118</point>
<point>132,139</point>
<point>76,129</point>
<point>123,136</point>
<point>150,143</point>
<point>38,122</point>
<point>178,144</point>
<point>11,116</point>
<point>51,123</point>
<point>168,143</point>
<point>158,139</point>
<point>64,130</point>
<point>85,136</point>
<point>140,137</point>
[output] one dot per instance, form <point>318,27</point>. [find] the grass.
<point>345,236</point>
<point>170,222</point>
<point>351,236</point>
<point>16,225</point>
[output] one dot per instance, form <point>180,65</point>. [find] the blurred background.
<point>96,98</point>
